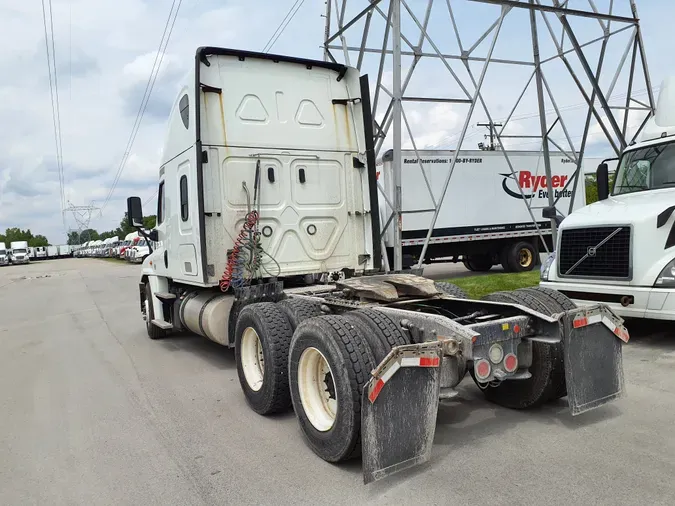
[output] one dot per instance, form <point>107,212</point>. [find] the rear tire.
<point>451,289</point>
<point>298,310</point>
<point>555,302</point>
<point>154,332</point>
<point>380,331</point>
<point>546,361</point>
<point>328,402</point>
<point>478,263</point>
<point>262,338</point>
<point>519,257</point>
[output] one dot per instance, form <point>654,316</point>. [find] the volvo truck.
<point>267,241</point>
<point>620,251</point>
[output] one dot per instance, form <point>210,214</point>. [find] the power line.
<point>282,27</point>
<point>54,95</point>
<point>159,57</point>
<point>152,197</point>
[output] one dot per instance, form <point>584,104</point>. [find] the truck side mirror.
<point>602,179</point>
<point>134,212</point>
<point>551,213</point>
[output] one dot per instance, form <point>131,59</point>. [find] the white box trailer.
<point>65,250</point>
<point>484,219</point>
<point>52,251</point>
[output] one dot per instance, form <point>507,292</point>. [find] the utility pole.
<point>493,133</point>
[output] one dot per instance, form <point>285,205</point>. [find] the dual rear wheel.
<point>289,354</point>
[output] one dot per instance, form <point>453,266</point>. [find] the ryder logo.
<point>533,185</point>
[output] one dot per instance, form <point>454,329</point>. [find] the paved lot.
<point>93,412</point>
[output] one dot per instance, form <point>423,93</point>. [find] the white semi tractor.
<point>621,250</point>
<point>268,182</point>
<point>486,217</point>
<point>19,252</point>
<point>4,255</point>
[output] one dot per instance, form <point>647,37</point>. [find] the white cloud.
<point>104,54</point>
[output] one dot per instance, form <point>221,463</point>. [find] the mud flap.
<point>593,359</point>
<point>399,407</point>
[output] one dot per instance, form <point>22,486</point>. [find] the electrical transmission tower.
<point>82,216</point>
<point>466,59</point>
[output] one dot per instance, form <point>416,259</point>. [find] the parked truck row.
<point>268,241</point>
<point>134,248</point>
<point>20,253</point>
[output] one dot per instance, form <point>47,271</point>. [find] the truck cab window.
<point>184,210</point>
<point>160,204</point>
<point>184,107</point>
<point>649,168</point>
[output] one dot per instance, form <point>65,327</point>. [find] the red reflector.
<point>429,361</point>
<point>516,328</point>
<point>580,322</point>
<point>482,369</point>
<point>376,391</point>
<point>510,362</point>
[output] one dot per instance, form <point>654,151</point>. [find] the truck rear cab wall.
<point>216,138</point>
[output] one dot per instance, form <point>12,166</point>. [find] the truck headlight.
<point>667,277</point>
<point>546,267</point>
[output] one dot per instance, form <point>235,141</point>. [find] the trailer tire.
<point>540,387</point>
<point>450,289</point>
<point>263,332</point>
<point>329,407</point>
<point>154,332</point>
<point>519,257</point>
<point>555,302</point>
<point>298,310</point>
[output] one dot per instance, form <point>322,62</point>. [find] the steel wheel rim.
<point>252,359</point>
<point>316,385</point>
<point>525,257</point>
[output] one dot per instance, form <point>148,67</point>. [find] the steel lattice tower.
<point>393,39</point>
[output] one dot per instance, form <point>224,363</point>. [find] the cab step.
<point>165,296</point>
<point>162,324</point>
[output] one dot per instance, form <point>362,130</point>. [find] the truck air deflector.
<point>205,51</point>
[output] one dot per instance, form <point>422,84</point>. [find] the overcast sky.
<point>105,50</point>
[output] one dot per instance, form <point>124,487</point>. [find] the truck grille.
<point>610,259</point>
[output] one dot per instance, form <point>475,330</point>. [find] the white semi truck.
<point>4,255</point>
<point>484,219</point>
<point>621,250</point>
<point>268,183</point>
<point>19,252</point>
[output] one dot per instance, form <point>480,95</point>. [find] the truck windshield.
<point>19,251</point>
<point>646,169</point>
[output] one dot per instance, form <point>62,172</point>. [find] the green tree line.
<point>90,234</point>
<point>16,234</point>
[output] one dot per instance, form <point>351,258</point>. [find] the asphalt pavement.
<point>94,412</point>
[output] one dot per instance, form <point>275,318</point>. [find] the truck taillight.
<point>510,362</point>
<point>482,369</point>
